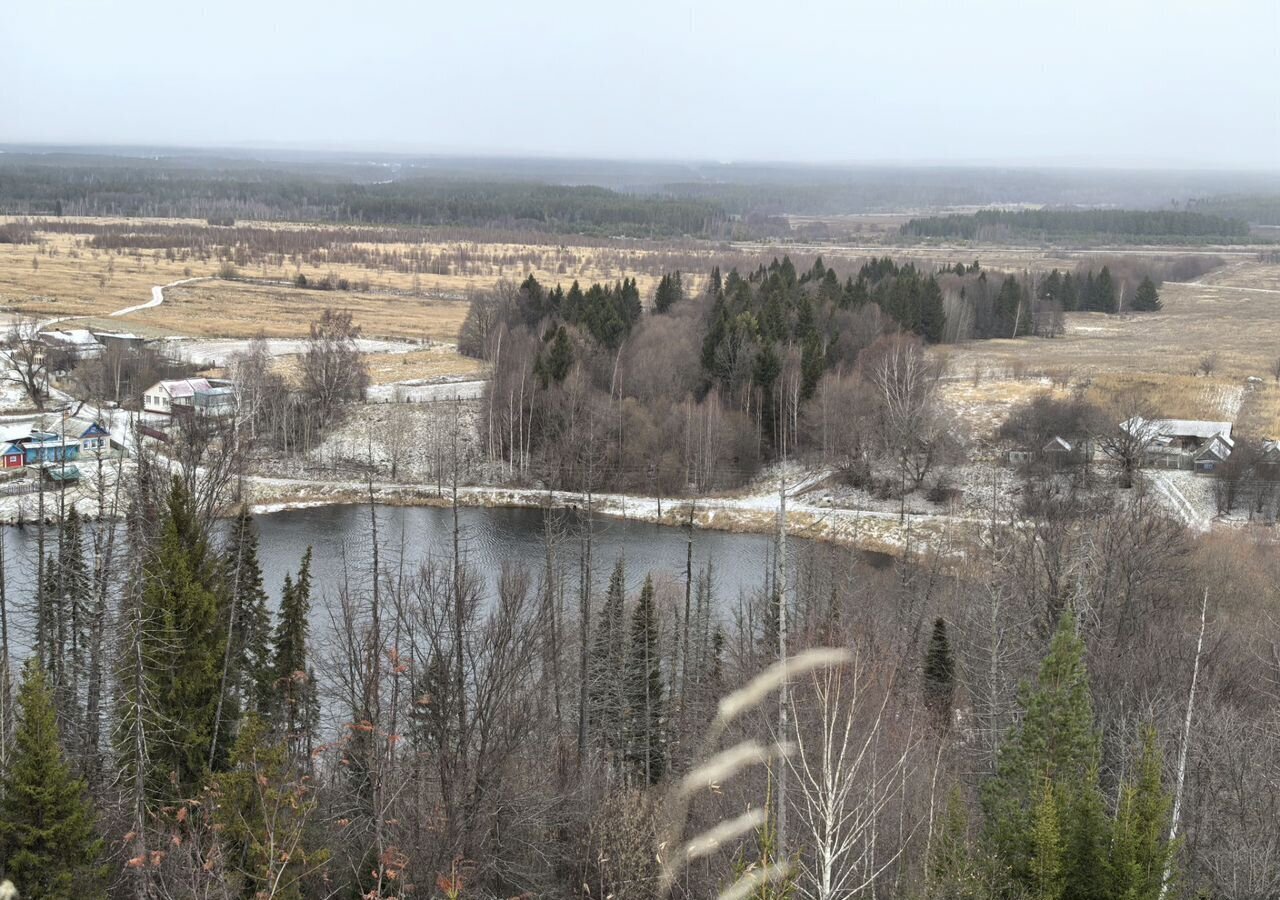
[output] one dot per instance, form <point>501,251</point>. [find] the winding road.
<point>157,297</point>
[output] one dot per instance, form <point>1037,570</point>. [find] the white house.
<point>188,394</point>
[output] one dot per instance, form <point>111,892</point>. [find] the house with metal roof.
<point>189,394</point>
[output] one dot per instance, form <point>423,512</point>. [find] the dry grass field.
<point>64,276</point>
<point>1232,314</point>
<point>220,308</point>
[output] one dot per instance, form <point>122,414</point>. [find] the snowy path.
<point>157,296</point>
<point>1166,485</point>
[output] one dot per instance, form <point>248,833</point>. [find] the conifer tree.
<point>1147,298</point>
<point>952,871</point>
<point>49,847</point>
<point>933,316</point>
<point>1046,868</point>
<point>1056,745</point>
<point>1140,848</point>
<point>1070,296</point>
<point>939,674</point>
<point>605,667</point>
<point>669,292</point>
<point>296,708</point>
<point>251,670</point>
<point>1105,290</point>
<point>74,589</point>
<point>184,646</point>
<point>261,808</point>
<point>646,746</point>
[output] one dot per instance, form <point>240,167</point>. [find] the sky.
<point>1165,83</point>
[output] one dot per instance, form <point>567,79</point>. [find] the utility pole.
<point>780,585</point>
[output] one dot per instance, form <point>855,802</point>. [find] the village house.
<point>1183,443</point>
<point>189,395</point>
<point>22,446</point>
<point>1213,454</point>
<point>36,447</point>
<point>1058,452</point>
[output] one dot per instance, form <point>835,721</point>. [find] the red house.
<point>13,457</point>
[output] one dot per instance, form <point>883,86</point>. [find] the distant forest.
<point>1145,225</point>
<point>598,198</point>
<point>85,188</point>
<point>1259,209</point>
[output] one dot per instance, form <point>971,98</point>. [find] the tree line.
<point>747,369</point>
<point>138,188</point>
<point>1116,224</point>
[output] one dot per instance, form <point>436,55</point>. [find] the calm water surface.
<point>341,542</point>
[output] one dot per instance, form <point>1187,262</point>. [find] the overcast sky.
<point>1081,82</point>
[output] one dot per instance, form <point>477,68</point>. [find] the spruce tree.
<point>669,292</point>
<point>1046,869</point>
<point>1140,849</point>
<point>295,708</point>
<point>939,675</point>
<point>646,746</point>
<point>49,847</point>
<point>251,670</point>
<point>183,646</point>
<point>74,590</point>
<point>261,808</point>
<point>1070,297</point>
<point>933,316</point>
<point>951,868</point>
<point>1105,291</point>
<point>1147,298</point>
<point>605,667</point>
<point>1056,745</point>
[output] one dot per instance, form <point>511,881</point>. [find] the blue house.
<point>95,437</point>
<point>46,447</point>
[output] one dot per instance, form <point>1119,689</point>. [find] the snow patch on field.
<point>219,351</point>
<point>1189,497</point>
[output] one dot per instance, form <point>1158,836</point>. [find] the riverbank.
<point>814,510</point>
<point>748,513</point>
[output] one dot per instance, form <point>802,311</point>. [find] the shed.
<point>60,474</point>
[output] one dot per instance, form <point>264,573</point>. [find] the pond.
<point>341,542</point>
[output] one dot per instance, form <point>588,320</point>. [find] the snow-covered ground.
<point>219,351</point>
<point>424,391</point>
<point>1187,496</point>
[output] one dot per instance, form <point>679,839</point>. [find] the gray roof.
<point>1176,428</point>
<point>185,387</point>
<point>1217,448</point>
<point>76,336</point>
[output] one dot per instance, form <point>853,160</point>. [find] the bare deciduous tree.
<point>911,425</point>
<point>26,363</point>
<point>334,370</point>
